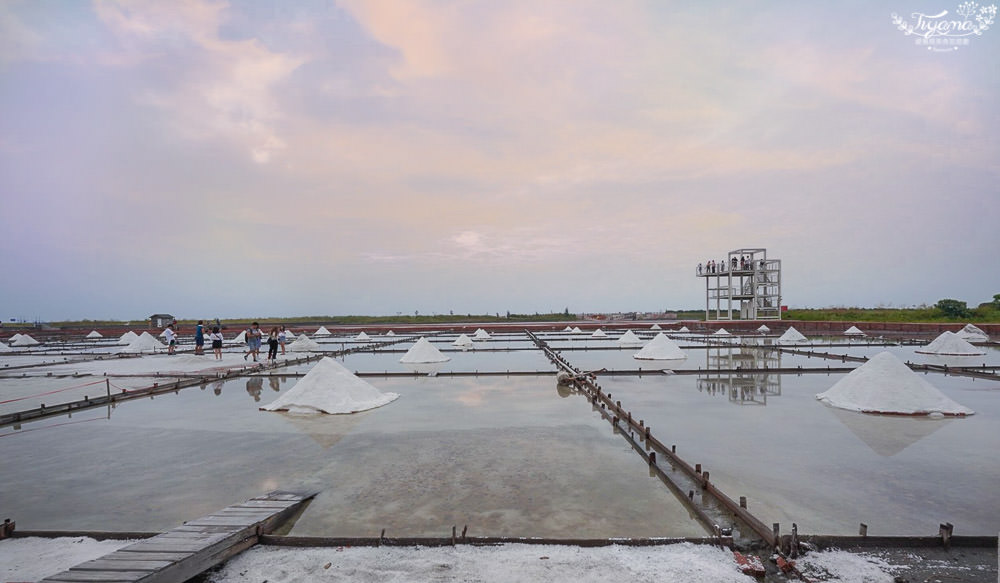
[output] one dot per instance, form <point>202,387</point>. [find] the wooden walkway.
<point>177,555</point>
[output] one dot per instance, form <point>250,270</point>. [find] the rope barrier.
<point>52,392</point>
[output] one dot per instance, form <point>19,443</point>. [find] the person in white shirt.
<point>171,337</point>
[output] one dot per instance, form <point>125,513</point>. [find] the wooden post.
<point>107,385</point>
<point>743,501</point>
<point>863,530</point>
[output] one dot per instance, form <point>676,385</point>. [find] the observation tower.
<point>746,283</point>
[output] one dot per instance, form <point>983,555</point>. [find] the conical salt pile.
<point>481,334</point>
<point>422,352</point>
<point>241,337</point>
<point>94,334</point>
<point>390,333</point>
<point>567,329</point>
<point>304,344</point>
<point>949,344</point>
<point>146,342</point>
<point>853,331</point>
<point>599,334</point>
<point>684,329</point>
<point>972,334</point>
<point>629,339</point>
<point>330,388</point>
<point>322,331</point>
<point>290,336</point>
<point>577,330</point>
<point>763,329</point>
<point>362,337</point>
<point>462,340</point>
<point>14,338</point>
<point>655,327</point>
<point>721,332</point>
<point>660,348</point>
<point>4,347</point>
<point>25,340</point>
<point>886,385</point>
<point>792,336</point>
<point>127,338</point>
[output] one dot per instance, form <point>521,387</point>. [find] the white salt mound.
<point>4,347</point>
<point>853,331</point>
<point>567,329</point>
<point>599,334</point>
<point>655,327</point>
<point>127,338</point>
<point>661,348</point>
<point>948,343</point>
<point>462,340</point>
<point>972,334</point>
<point>763,329</point>
<point>330,388</point>
<point>14,338</point>
<point>390,333</point>
<point>722,332</point>
<point>423,351</point>
<point>304,344</point>
<point>94,334</point>
<point>886,385</point>
<point>630,339</point>
<point>792,336</point>
<point>241,337</point>
<point>322,331</point>
<point>144,343</point>
<point>577,330</point>
<point>25,340</point>
<point>361,337</point>
<point>684,329</point>
<point>481,334</point>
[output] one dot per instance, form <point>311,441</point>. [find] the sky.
<point>270,158</point>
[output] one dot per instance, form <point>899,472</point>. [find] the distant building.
<point>160,320</point>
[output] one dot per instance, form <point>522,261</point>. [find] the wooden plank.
<point>177,555</point>
<point>127,555</point>
<point>106,564</point>
<point>264,504</point>
<point>97,576</point>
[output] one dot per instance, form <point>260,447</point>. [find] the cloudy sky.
<point>259,158</point>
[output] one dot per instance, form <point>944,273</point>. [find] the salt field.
<point>489,440</point>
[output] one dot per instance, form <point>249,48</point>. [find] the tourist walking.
<point>272,346</point>
<point>282,337</point>
<point>216,338</point>
<point>171,337</point>
<point>199,338</point>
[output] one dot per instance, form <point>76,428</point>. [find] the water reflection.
<point>254,386</point>
<point>738,374</point>
<point>888,435</point>
<point>325,430</point>
<point>274,384</point>
<point>424,367</point>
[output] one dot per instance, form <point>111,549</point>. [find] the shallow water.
<point>510,455</point>
<point>504,456</point>
<point>828,470</point>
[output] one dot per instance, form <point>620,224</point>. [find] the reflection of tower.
<point>738,372</point>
